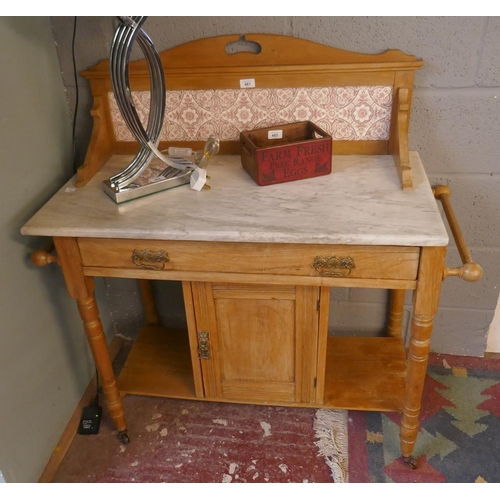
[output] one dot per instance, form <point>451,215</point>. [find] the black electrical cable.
<point>96,399</point>
<point>75,149</point>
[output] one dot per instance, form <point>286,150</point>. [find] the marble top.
<point>360,203</point>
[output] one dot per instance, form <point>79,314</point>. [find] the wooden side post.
<point>148,302</point>
<point>425,305</point>
<point>81,288</point>
<point>395,327</point>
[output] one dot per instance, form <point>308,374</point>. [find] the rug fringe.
<point>331,430</point>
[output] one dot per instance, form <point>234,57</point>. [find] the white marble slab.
<point>360,203</point>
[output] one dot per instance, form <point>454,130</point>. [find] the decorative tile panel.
<point>346,113</point>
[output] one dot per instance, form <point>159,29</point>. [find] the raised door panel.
<point>257,347</point>
<point>263,342</point>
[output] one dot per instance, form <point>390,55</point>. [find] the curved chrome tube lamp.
<point>121,186</point>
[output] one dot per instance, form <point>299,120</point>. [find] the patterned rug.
<point>459,439</point>
<point>178,441</point>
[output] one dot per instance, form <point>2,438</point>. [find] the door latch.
<point>203,345</point>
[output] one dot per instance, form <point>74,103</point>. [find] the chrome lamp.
<point>135,181</point>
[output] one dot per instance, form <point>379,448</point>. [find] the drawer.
<point>343,261</point>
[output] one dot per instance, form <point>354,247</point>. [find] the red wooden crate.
<point>286,153</point>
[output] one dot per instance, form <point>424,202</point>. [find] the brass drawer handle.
<point>333,266</point>
<point>149,259</point>
<point>470,270</point>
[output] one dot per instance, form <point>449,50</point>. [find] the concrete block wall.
<point>455,126</point>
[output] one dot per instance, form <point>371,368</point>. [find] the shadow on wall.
<point>127,312</point>
<point>493,344</point>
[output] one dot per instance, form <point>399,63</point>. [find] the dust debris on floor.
<point>182,441</point>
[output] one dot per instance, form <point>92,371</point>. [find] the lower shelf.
<point>361,373</point>
<point>159,364</point>
<point>365,373</point>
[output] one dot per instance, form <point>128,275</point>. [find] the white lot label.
<point>247,83</point>
<point>275,134</point>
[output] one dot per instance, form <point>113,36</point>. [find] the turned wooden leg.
<point>425,304</point>
<point>81,288</point>
<point>395,327</point>
<point>421,330</point>
<point>99,347</point>
<point>148,302</point>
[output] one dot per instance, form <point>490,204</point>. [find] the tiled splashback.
<point>346,113</point>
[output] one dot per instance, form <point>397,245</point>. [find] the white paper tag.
<point>247,83</point>
<point>275,134</point>
<point>198,179</point>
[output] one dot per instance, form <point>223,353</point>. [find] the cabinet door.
<point>257,343</point>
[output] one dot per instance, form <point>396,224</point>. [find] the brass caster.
<point>410,462</point>
<point>124,437</point>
